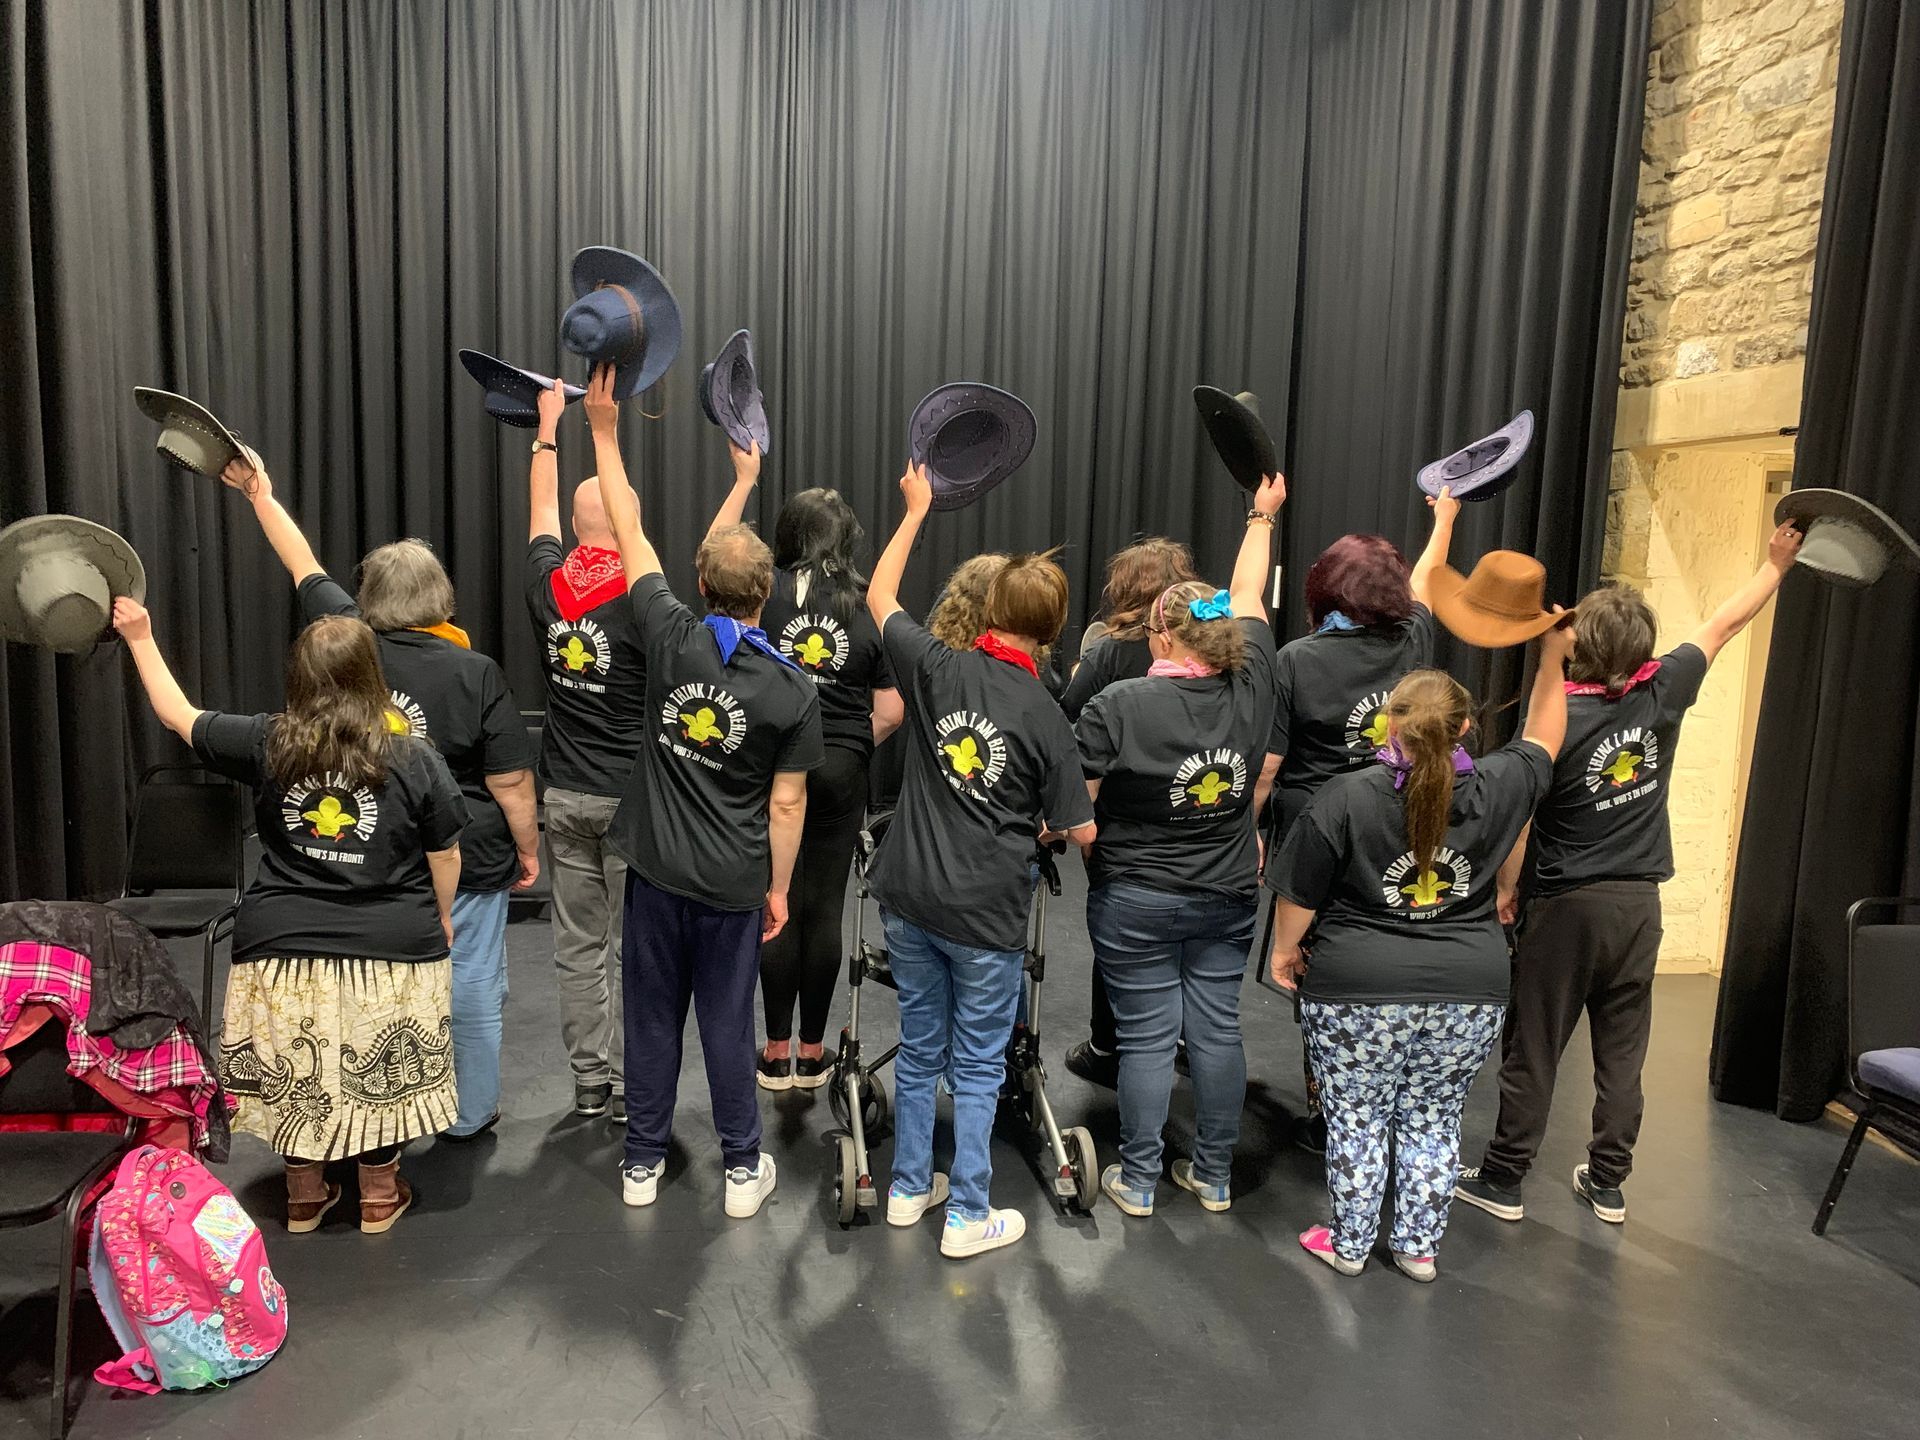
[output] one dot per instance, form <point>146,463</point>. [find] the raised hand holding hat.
<point>1502,603</point>
<point>59,577</point>
<point>1849,542</point>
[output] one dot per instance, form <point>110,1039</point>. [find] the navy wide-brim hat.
<point>730,394</point>
<point>1238,433</point>
<point>970,437</point>
<point>623,315</point>
<point>513,394</point>
<point>1849,541</point>
<point>1484,468</point>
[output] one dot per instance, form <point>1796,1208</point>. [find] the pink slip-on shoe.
<point>1318,1242</point>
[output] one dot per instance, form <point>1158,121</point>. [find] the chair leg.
<point>1840,1171</point>
<point>63,1315</point>
<point>207,1021</point>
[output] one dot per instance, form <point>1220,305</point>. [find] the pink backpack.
<point>181,1274</point>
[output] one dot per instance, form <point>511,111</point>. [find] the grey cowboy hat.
<point>190,435</point>
<point>1849,541</point>
<point>1238,433</point>
<point>622,315</point>
<point>1484,468</point>
<point>970,436</point>
<point>59,575</point>
<point>730,394</point>
<point>513,394</point>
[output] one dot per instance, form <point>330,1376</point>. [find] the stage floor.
<point>521,1298</point>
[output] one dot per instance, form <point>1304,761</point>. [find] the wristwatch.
<point>540,445</point>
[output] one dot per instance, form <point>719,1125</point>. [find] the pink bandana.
<point>1640,677</point>
<point>1191,668</point>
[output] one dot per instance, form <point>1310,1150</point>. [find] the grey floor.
<point>521,1298</point>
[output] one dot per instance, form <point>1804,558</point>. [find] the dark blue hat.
<point>1484,468</point>
<point>513,394</point>
<point>730,394</point>
<point>623,315</point>
<point>1238,433</point>
<point>970,437</point>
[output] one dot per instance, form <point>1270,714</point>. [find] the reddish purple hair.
<point>1364,577</point>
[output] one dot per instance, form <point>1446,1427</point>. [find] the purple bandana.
<point>1395,759</point>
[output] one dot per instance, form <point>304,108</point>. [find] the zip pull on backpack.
<point>180,1271</point>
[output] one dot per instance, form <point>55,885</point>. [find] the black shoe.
<point>591,1100</point>
<point>812,1074</point>
<point>453,1139</point>
<point>1180,1061</point>
<point>1500,1201</point>
<point>775,1074</point>
<point>1310,1133</point>
<point>1607,1201</point>
<point>1093,1067</point>
<point>617,1108</point>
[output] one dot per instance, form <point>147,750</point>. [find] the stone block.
<point>1753,205</point>
<point>1642,324</point>
<point>1775,18</point>
<point>1738,307</point>
<point>1753,170</point>
<point>1698,218</point>
<point>1705,121</point>
<point>1664,136</point>
<point>1790,300</point>
<point>1685,270</point>
<point>1728,267</point>
<point>1804,194</point>
<point>1649,240</point>
<point>1775,126</point>
<point>1769,347</point>
<point>1696,357</point>
<point>1688,183</point>
<point>1688,315</point>
<point>1806,151</point>
<point>1675,58</point>
<point>1751,58</point>
<point>1792,81</point>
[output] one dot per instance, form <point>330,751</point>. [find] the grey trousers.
<point>589,881</point>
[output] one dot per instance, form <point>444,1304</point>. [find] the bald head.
<point>590,525</point>
<point>736,572</point>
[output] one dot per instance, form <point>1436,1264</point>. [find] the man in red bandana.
<point>594,664</point>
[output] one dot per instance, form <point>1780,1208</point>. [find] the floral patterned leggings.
<point>1404,1070</point>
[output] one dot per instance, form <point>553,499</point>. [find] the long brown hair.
<point>1426,711</point>
<point>1136,577</point>
<point>336,721</point>
<point>1218,643</point>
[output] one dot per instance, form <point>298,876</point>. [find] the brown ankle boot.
<point>384,1197</point>
<point>309,1196</point>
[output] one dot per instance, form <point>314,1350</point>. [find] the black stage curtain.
<point>297,211</point>
<point>1471,167</point>
<point>1832,815</point>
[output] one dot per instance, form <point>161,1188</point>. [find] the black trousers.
<point>803,961</point>
<point>1590,951</point>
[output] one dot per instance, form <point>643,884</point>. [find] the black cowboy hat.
<point>1238,433</point>
<point>1849,541</point>
<point>970,437</point>
<point>1484,468</point>
<point>513,394</point>
<point>59,575</point>
<point>623,315</point>
<point>730,394</point>
<point>190,436</point>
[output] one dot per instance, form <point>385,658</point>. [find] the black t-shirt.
<point>343,868</point>
<point>1107,661</point>
<point>1177,761</point>
<point>458,699</point>
<point>846,660</point>
<point>1330,689</point>
<point>595,669</point>
<point>1606,816</point>
<point>1388,936</point>
<point>990,761</point>
<point>693,821</point>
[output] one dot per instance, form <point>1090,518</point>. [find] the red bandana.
<point>1000,650</point>
<point>1640,677</point>
<point>589,577</point>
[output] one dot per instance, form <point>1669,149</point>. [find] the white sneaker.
<point>640,1184</point>
<point>907,1209</point>
<point>748,1189</point>
<point>964,1237</point>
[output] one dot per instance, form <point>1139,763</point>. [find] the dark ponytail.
<point>817,539</point>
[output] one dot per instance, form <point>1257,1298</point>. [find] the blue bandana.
<point>1336,621</point>
<point>728,633</point>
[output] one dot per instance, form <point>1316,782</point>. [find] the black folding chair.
<point>186,862</point>
<point>1883,1029</point>
<point>46,1175</point>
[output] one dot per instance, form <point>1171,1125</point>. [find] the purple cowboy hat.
<point>1484,468</point>
<point>970,436</point>
<point>513,394</point>
<point>730,394</point>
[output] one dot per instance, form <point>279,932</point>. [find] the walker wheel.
<point>1085,1160</point>
<point>846,1185</point>
<point>873,1106</point>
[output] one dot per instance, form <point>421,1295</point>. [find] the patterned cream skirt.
<point>331,1058</point>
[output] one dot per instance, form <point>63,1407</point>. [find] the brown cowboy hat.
<point>1502,603</point>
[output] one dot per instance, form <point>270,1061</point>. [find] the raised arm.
<point>1445,510</point>
<point>543,475</point>
<point>883,590</point>
<point>637,554</point>
<point>1739,608</point>
<point>1256,550</point>
<point>169,701</point>
<point>278,526</point>
<point>746,475</point>
<point>1547,705</point>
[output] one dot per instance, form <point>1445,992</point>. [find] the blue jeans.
<point>479,995</point>
<point>956,1016</point>
<point>1173,965</point>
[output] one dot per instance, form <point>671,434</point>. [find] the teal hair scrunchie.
<point>1217,606</point>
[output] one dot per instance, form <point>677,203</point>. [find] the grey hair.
<point>403,587</point>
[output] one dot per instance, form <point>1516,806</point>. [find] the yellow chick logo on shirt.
<point>330,817</point>
<point>575,656</point>
<point>1376,733</point>
<point>1209,788</point>
<point>396,722</point>
<point>814,651</point>
<point>1624,769</point>
<point>700,727</point>
<point>1427,889</point>
<point>964,757</point>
